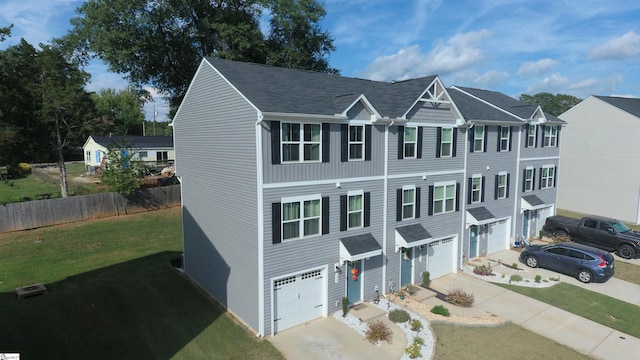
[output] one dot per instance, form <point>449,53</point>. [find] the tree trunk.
<point>64,187</point>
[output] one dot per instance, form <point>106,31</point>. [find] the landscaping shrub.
<point>483,270</point>
<point>460,297</point>
<point>345,306</point>
<point>440,310</point>
<point>538,278</point>
<point>418,340</point>
<point>416,325</point>
<point>515,278</point>
<point>426,281</point>
<point>413,350</point>
<point>399,316</point>
<point>561,238</point>
<point>378,331</point>
<point>24,168</point>
<point>514,265</point>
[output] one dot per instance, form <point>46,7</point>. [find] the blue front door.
<point>473,242</point>
<point>353,281</point>
<point>405,267</point>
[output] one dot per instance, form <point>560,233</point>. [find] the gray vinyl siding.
<point>215,141</point>
<point>539,151</point>
<point>293,256</point>
<point>546,195</point>
<point>432,114</point>
<point>438,225</point>
<point>334,169</point>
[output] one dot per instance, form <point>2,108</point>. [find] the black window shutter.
<point>276,214</point>
<point>275,142</point>
<point>326,142</point>
<point>484,139</point>
<point>524,180</point>
<point>325,215</point>
<point>472,136</point>
<point>457,196</point>
<point>344,142</point>
<point>483,188</point>
<point>438,141</point>
<point>367,142</point>
<point>495,197</point>
<point>455,142</point>
<point>542,131</point>
<point>399,205</point>
<point>508,183</point>
<point>367,209</point>
<point>555,176</point>
<point>417,202</point>
<point>343,212</point>
<point>470,191</point>
<point>558,137</point>
<point>526,136</point>
<point>430,200</point>
<point>419,143</point>
<point>510,136</point>
<point>400,142</point>
<point>540,180</point>
<point>499,138</point>
<point>533,180</point>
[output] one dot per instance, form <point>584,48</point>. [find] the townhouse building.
<point>301,188</point>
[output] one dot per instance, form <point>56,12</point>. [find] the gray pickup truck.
<point>603,233</point>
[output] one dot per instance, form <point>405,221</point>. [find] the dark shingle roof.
<point>274,89</point>
<point>474,109</point>
<point>141,142</point>
<point>630,105</point>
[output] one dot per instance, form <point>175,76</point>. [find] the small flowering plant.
<point>484,270</point>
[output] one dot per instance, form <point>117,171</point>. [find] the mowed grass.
<point>17,189</point>
<point>113,294</point>
<point>605,310</point>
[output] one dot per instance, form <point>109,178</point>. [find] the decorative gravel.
<point>425,333</point>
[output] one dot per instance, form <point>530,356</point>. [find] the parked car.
<point>584,262</point>
<point>603,233</point>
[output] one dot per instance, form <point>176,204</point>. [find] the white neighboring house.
<point>600,158</point>
<point>154,151</point>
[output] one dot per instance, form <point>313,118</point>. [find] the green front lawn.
<point>113,294</point>
<point>605,310</point>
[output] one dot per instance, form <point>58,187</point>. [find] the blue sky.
<point>580,48</point>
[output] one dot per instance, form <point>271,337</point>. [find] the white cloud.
<point>490,78</point>
<point>536,67</point>
<point>558,84</point>
<point>622,47</point>
<point>553,84</point>
<point>457,53</point>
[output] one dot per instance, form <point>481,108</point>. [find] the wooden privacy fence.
<point>39,213</point>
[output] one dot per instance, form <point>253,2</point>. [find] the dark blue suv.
<point>584,262</point>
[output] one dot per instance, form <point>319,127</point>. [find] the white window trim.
<point>361,143</point>
<point>300,200</point>
<point>529,188</point>
<point>444,199</point>
<point>507,139</point>
<point>301,143</point>
<point>481,139</point>
<point>506,185</point>
<point>479,190</point>
<point>546,180</point>
<point>405,142</point>
<point>413,213</point>
<point>443,142</point>
<point>532,135</point>
<point>552,136</point>
<point>361,211</point>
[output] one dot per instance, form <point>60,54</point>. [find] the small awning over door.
<point>411,236</point>
<point>479,216</point>
<point>359,247</point>
<point>532,202</point>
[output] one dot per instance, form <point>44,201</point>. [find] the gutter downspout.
<point>385,208</point>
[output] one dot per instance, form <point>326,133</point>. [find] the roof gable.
<point>630,105</point>
<point>138,142</point>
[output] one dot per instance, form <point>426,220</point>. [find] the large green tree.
<point>117,112</point>
<point>161,42</point>
<point>553,104</point>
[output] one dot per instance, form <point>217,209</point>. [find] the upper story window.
<point>444,198</point>
<point>301,142</point>
<point>476,189</point>
<point>550,136</point>
<point>301,217</point>
<point>410,141</point>
<point>532,131</point>
<point>505,138</point>
<point>356,142</point>
<point>529,174</point>
<point>478,138</point>
<point>502,185</point>
<point>355,209</point>
<point>547,177</point>
<point>446,142</point>
<point>408,202</point>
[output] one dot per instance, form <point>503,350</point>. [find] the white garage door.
<point>440,257</point>
<point>498,236</point>
<point>297,299</point>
